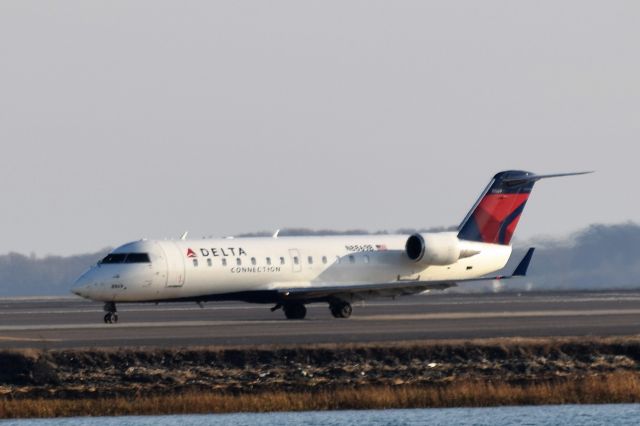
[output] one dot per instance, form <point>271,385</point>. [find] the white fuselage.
<point>195,269</point>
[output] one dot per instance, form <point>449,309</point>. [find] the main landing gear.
<point>294,310</point>
<point>297,310</point>
<point>340,309</point>
<point>111,315</point>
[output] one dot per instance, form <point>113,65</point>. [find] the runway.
<point>73,322</point>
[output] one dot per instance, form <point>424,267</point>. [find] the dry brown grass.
<point>609,388</point>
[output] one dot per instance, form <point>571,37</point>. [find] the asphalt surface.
<point>73,322</point>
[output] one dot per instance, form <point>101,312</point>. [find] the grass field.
<point>607,388</point>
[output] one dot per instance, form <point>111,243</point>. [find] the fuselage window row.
<point>139,258</point>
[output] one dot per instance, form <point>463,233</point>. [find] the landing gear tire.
<point>110,318</point>
<point>294,311</point>
<point>341,310</point>
<point>111,315</point>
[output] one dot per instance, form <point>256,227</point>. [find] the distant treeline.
<point>22,275</point>
<point>598,257</point>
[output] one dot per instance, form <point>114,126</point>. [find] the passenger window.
<point>253,261</point>
<point>209,262</point>
<point>238,261</point>
<point>268,261</point>
<point>324,259</point>
<point>224,262</point>
<point>195,262</point>
<point>296,260</point>
<point>310,260</point>
<point>352,259</point>
<point>282,260</point>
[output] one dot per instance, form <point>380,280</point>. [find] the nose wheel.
<point>111,316</point>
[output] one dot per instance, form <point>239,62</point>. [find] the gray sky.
<point>129,119</point>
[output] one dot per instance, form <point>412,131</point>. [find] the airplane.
<point>291,272</point>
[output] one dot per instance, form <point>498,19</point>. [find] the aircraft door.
<point>296,260</point>
<point>175,264</point>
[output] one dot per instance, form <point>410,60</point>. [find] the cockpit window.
<point>137,258</point>
<point>114,258</point>
<point>126,258</point>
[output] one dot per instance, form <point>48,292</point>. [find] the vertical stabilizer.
<point>494,217</point>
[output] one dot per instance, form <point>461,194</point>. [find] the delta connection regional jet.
<point>291,272</point>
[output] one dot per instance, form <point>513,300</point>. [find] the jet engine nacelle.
<point>433,249</point>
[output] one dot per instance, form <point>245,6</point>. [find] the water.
<point>583,415</point>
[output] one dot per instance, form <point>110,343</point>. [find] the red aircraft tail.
<point>494,217</point>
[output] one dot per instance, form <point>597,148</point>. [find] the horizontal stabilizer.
<point>521,269</point>
<point>531,177</point>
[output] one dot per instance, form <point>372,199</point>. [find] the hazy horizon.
<point>518,241</point>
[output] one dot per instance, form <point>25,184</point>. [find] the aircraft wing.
<point>397,288</point>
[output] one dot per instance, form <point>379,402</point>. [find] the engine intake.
<point>433,249</point>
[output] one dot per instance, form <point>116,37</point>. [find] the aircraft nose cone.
<point>81,286</point>
<point>79,290</point>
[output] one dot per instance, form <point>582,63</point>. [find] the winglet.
<point>521,269</point>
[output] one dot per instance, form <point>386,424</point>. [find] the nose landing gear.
<point>111,315</point>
